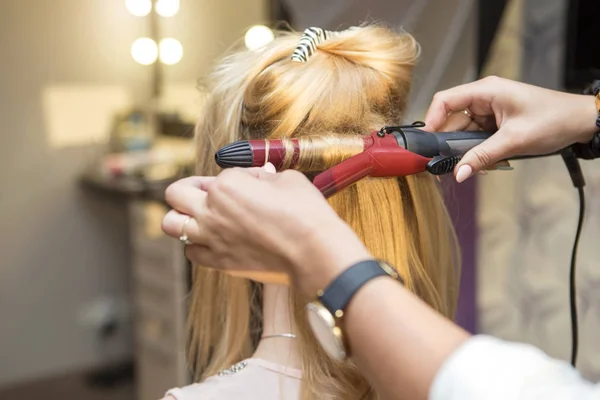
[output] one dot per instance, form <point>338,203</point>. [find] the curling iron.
<point>390,152</point>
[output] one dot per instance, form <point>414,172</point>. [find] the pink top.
<point>251,379</point>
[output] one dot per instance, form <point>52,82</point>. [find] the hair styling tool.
<point>292,153</point>
<point>390,152</point>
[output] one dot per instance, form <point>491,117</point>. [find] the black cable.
<point>572,284</point>
<point>572,164</point>
<point>570,155</point>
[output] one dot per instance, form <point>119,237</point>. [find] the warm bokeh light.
<point>167,8</point>
<point>144,51</point>
<point>258,36</point>
<point>170,51</point>
<point>139,8</point>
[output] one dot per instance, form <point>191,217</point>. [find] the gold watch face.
<point>326,331</point>
<point>389,270</point>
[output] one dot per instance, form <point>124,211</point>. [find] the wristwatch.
<point>325,314</point>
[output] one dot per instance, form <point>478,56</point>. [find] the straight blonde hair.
<point>354,83</point>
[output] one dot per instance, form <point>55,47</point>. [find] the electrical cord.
<point>588,151</point>
<point>572,284</point>
<point>574,168</point>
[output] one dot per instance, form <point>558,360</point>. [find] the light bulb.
<point>144,51</point>
<point>258,36</point>
<point>139,8</point>
<point>167,8</point>
<point>170,51</point>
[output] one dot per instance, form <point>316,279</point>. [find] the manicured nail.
<point>482,172</point>
<point>504,168</point>
<point>463,173</point>
<point>270,168</point>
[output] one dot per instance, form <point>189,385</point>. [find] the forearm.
<point>408,351</point>
<point>398,342</point>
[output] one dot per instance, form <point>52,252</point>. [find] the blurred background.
<point>98,103</point>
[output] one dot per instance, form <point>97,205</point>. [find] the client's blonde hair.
<point>354,83</point>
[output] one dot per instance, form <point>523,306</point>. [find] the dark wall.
<point>582,52</point>
<point>489,13</point>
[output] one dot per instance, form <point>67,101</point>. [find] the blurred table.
<point>161,278</point>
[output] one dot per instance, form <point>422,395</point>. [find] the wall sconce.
<point>139,8</point>
<point>170,51</point>
<point>166,8</point>
<point>258,36</point>
<point>145,50</point>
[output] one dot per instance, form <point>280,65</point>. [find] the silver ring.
<point>184,237</point>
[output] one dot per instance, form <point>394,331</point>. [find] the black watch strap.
<point>594,90</point>
<point>338,294</point>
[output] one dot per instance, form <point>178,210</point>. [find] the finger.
<point>199,182</point>
<point>233,185</point>
<point>483,156</point>
<point>485,122</point>
<point>187,197</point>
<point>473,96</point>
<point>174,224</point>
<point>263,173</point>
<point>458,121</point>
<point>446,102</point>
<point>225,179</point>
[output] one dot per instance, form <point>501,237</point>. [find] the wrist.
<point>585,118</point>
<point>326,313</point>
<point>325,254</point>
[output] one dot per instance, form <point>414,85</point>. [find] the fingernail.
<point>504,168</point>
<point>268,167</point>
<point>463,173</point>
<point>482,172</point>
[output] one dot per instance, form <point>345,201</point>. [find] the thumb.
<point>483,156</point>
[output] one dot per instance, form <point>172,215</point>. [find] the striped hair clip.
<point>309,41</point>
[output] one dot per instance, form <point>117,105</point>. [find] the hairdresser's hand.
<point>529,120</point>
<point>249,220</point>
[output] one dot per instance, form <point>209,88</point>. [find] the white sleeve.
<point>490,369</point>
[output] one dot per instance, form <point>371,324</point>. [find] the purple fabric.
<point>461,203</point>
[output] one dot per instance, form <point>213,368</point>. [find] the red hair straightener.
<point>390,152</point>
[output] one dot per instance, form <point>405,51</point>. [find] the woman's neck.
<point>278,319</point>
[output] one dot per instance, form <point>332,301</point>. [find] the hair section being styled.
<point>355,82</point>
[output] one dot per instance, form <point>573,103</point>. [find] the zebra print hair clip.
<point>309,41</point>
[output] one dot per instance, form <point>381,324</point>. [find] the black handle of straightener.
<point>447,144</point>
<point>451,146</point>
<point>457,143</point>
